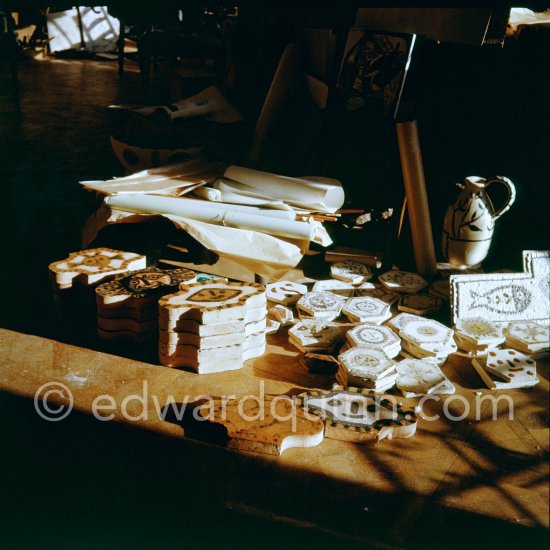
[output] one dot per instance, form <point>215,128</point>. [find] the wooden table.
<point>449,481</point>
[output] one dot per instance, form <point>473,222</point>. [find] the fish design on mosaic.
<point>503,299</point>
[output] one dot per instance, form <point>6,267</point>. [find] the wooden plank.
<point>490,468</point>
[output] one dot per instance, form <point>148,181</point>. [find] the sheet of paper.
<point>214,213</point>
<point>169,179</point>
<point>266,255</point>
<point>323,195</point>
<point>210,103</point>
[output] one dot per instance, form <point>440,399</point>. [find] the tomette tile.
<point>364,309</point>
<point>379,293</point>
<point>335,286</point>
<point>350,272</point>
<point>321,304</point>
<point>376,337</point>
<point>527,336</point>
<point>366,362</point>
<point>480,331</point>
<point>422,377</point>
<point>402,281</point>
<point>419,304</point>
<point>314,335</point>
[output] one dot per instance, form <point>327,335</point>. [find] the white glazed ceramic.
<point>469,222</point>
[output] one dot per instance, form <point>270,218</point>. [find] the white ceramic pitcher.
<point>470,220</point>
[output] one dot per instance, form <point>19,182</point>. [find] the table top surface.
<point>464,465</point>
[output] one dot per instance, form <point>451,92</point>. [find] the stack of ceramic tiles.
<point>375,337</point>
<point>365,309</point>
<point>528,337</point>
<point>506,369</point>
<point>366,368</point>
<point>320,305</point>
<point>423,338</point>
<point>81,271</point>
<point>315,335</point>
<point>212,326</point>
<point>352,273</point>
<point>127,307</point>
<point>477,336</point>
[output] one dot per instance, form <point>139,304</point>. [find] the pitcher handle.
<point>511,194</point>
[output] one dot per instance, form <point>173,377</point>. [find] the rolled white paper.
<point>215,213</point>
<point>326,195</point>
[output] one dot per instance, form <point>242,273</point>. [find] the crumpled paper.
<point>272,257</point>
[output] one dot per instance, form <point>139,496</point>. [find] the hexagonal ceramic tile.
<point>321,305</point>
<point>314,335</point>
<point>480,331</point>
<point>272,326</point>
<point>363,309</point>
<point>285,292</point>
<point>426,331</point>
<point>422,377</point>
<point>531,337</point>
<point>419,304</point>
<point>402,281</point>
<point>399,321</point>
<point>376,337</point>
<point>366,363</point>
<point>335,286</point>
<point>283,314</point>
<point>350,272</point>
<point>378,293</point>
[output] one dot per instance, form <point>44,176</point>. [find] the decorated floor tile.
<point>213,302</point>
<point>402,281</point>
<point>285,292</point>
<point>334,285</point>
<point>511,365</point>
<point>269,425</point>
<point>376,337</point>
<point>91,266</point>
<point>528,336</point>
<point>284,315</point>
<point>480,331</point>
<point>350,272</point>
<point>422,377</point>
<point>366,363</point>
<point>314,335</point>
<point>359,415</point>
<point>366,309</point>
<point>380,293</point>
<point>419,304</point>
<point>139,286</point>
<point>322,305</point>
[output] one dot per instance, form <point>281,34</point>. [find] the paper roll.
<point>326,195</point>
<point>214,213</point>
